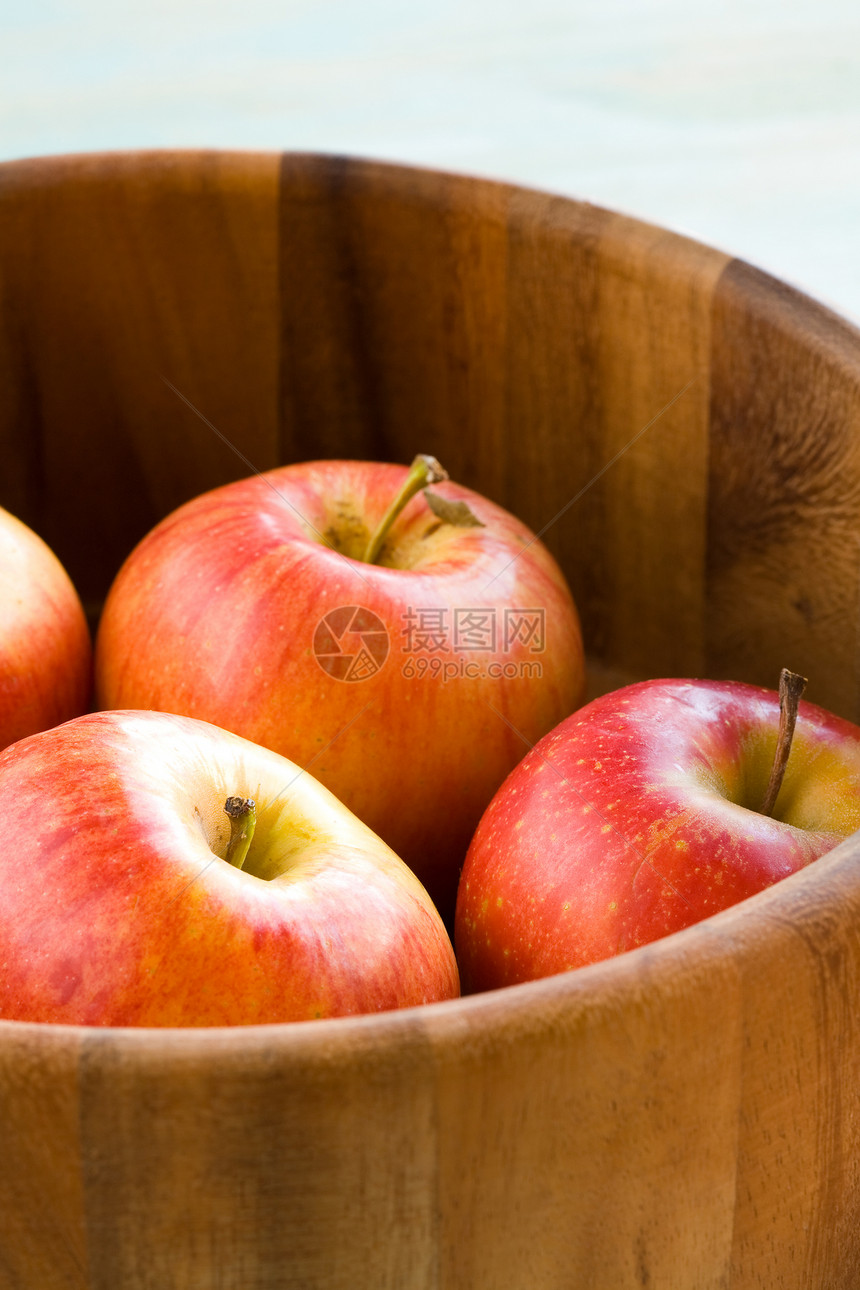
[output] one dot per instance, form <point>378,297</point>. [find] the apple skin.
<point>637,816</point>
<point>46,666</point>
<point>117,907</point>
<point>213,616</point>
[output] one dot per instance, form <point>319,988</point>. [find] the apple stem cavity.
<point>791,687</point>
<point>243,820</point>
<point>424,470</point>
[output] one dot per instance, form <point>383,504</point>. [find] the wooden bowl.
<point>685,432</point>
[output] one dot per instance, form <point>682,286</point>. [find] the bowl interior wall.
<point>678,427</point>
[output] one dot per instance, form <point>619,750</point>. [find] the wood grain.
<point>566,376</point>
<point>684,430</point>
<point>784,496</point>
<point>117,277</point>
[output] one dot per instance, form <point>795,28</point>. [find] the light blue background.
<point>738,123</point>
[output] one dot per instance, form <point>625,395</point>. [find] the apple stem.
<point>791,687</point>
<point>243,820</point>
<point>424,470</point>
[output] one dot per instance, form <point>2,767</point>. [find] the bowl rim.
<point>730,937</point>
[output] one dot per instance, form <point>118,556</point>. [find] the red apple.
<point>641,814</point>
<point>45,645</point>
<point>406,681</point>
<point>123,903</point>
